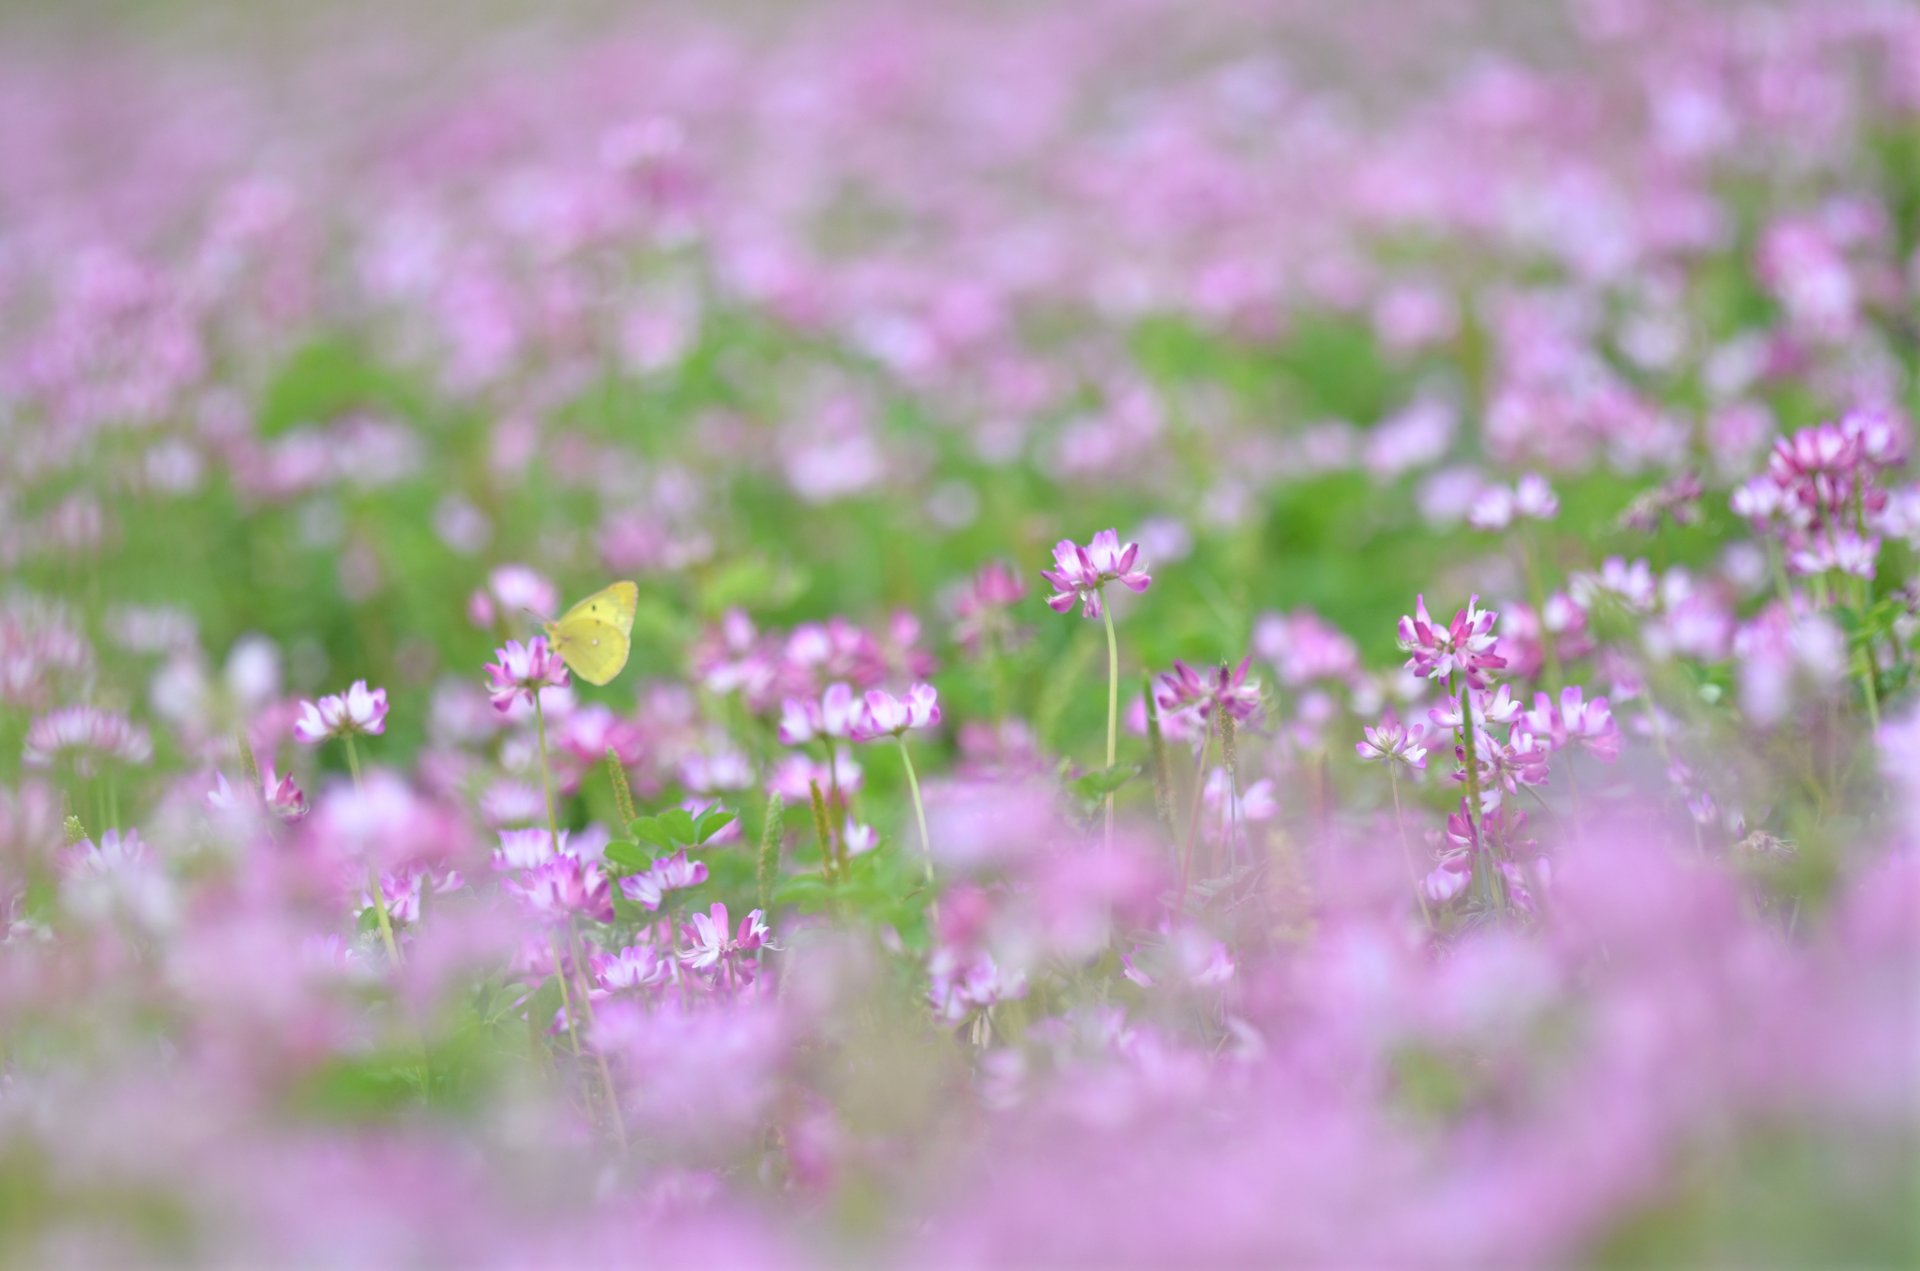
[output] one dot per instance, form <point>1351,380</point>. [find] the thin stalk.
<point>1537,592</point>
<point>1162,770</point>
<point>1193,819</point>
<point>373,872</point>
<point>837,822</point>
<point>920,809</point>
<point>769,859</point>
<point>1113,705</point>
<point>573,939</point>
<point>1406,848</point>
<point>828,861</point>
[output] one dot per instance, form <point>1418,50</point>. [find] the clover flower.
<point>634,967</point>
<point>831,717</point>
<point>881,714</point>
<point>1465,647</point>
<point>562,886</point>
<point>522,671</point>
<point>509,590</point>
<point>709,940</point>
<point>1079,573</point>
<point>278,795</point>
<point>982,609</point>
<point>1224,690</point>
<point>359,711</point>
<point>1573,719</point>
<point>669,873</point>
<point>1394,742</point>
<point>80,735</point>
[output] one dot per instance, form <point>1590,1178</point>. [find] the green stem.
<point>1113,705</point>
<point>1406,848</point>
<point>1537,592</point>
<point>373,873</point>
<point>1193,819</point>
<point>546,778</point>
<point>919,809</point>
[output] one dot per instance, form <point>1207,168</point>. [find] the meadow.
<point>1116,634</point>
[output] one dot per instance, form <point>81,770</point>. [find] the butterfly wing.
<point>613,605</point>
<point>593,650</point>
<point>595,636</point>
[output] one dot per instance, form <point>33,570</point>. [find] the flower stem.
<point>374,886</point>
<point>1113,706</point>
<point>1406,848</point>
<point>919,809</point>
<point>1193,819</point>
<point>546,778</point>
<point>573,937</point>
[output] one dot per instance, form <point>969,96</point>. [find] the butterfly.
<point>595,636</point>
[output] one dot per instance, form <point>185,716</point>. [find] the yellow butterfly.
<point>595,636</point>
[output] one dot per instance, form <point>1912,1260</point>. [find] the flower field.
<point>1123,634</point>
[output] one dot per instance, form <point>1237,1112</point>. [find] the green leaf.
<point>1098,785</point>
<point>678,823</point>
<point>711,823</point>
<point>649,830</point>
<point>803,891</point>
<point>628,857</point>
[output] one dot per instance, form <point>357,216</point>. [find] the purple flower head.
<point>80,735</point>
<point>563,886</point>
<point>669,873</point>
<point>1395,742</point>
<point>279,796</point>
<point>1223,689</point>
<point>882,714</point>
<point>980,611</point>
<point>510,589</point>
<point>522,671</point>
<point>1574,719</point>
<point>831,717</point>
<point>356,712</point>
<point>1465,647</point>
<point>634,967</point>
<point>1079,573</point>
<point>528,848</point>
<point>708,940</point>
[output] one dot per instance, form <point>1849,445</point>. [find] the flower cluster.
<point>1465,648</point>
<point>1822,494</point>
<point>1080,574</point>
<point>523,671</point>
<point>359,711</point>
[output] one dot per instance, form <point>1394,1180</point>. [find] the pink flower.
<point>1079,573</point>
<point>980,612</point>
<point>358,711</point>
<point>832,716</point>
<point>669,873</point>
<point>563,885</point>
<point>794,777</point>
<point>509,590</point>
<point>1486,708</point>
<point>1183,688</point>
<point>634,967</point>
<point>1464,647</point>
<point>1574,720</point>
<point>1631,583</point>
<point>528,848</point>
<point>78,735</point>
<point>860,839</point>
<point>278,796</point>
<point>1395,742</point>
<point>883,715</point>
<point>522,671</point>
<point>709,941</point>
<point>1303,647</point>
